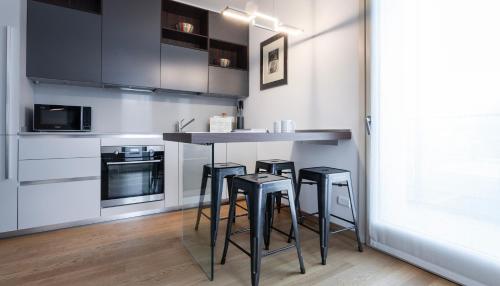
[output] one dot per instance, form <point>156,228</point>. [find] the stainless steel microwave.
<point>59,118</point>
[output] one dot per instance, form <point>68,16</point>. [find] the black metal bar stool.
<point>221,171</point>
<point>257,187</point>
<point>278,167</point>
<point>325,178</point>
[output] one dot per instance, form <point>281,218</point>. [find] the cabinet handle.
<point>368,123</point>
<point>8,67</point>
<point>133,162</point>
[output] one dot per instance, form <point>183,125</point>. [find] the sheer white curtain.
<point>434,195</point>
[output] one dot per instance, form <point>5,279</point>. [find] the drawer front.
<point>48,204</point>
<point>225,81</point>
<point>39,170</point>
<point>58,148</point>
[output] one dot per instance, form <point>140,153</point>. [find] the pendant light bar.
<point>237,14</point>
<point>254,18</point>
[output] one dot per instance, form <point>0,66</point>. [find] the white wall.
<point>325,88</point>
<point>117,111</point>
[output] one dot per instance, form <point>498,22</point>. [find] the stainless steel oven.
<point>132,174</point>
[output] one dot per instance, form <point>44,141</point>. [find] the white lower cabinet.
<point>49,204</point>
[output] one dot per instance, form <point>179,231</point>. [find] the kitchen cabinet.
<point>55,203</point>
<point>227,29</point>
<point>59,180</point>
<point>58,148</point>
<point>184,69</point>
<point>56,169</point>
<point>63,43</point>
<point>131,52</point>
<point>227,81</point>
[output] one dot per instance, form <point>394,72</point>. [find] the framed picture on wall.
<point>273,61</point>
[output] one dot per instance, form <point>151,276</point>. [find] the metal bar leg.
<point>296,188</point>
<point>297,199</point>
<point>233,193</point>
<point>324,217</point>
<point>219,188</point>
<point>354,213</point>
<point>295,227</point>
<point>268,220</point>
<point>258,208</point>
<point>213,210</point>
<point>203,188</point>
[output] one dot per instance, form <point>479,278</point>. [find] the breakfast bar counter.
<point>196,153</point>
<point>320,135</point>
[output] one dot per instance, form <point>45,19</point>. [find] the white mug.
<point>277,126</point>
<point>287,126</point>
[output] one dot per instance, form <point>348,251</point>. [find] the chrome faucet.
<point>179,127</point>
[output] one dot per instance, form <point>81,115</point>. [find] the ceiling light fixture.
<point>237,14</point>
<point>260,20</point>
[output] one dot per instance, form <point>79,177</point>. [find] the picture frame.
<point>274,61</point>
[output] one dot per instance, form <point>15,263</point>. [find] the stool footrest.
<point>279,231</point>
<point>267,253</point>
<point>332,215</point>
<point>342,219</point>
<point>341,230</point>
<point>241,230</point>
<point>239,247</point>
<point>278,250</point>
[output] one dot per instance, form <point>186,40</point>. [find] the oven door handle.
<point>133,162</point>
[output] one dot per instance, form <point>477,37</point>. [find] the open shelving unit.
<point>91,6</point>
<point>237,54</point>
<point>174,13</point>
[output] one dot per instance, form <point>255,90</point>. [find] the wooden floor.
<point>148,251</point>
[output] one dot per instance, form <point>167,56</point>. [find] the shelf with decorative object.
<point>184,25</point>
<point>228,55</point>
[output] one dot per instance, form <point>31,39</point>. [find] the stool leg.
<point>219,190</point>
<point>203,188</point>
<point>299,213</point>
<point>233,193</point>
<point>229,187</point>
<point>324,217</point>
<point>268,222</point>
<point>296,187</point>
<point>278,195</point>
<point>295,228</point>
<point>354,213</point>
<point>257,211</point>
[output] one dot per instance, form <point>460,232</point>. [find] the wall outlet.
<point>343,201</point>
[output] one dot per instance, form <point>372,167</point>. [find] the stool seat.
<point>278,167</point>
<point>262,178</point>
<point>325,178</point>
<point>322,170</point>
<point>275,161</point>
<point>227,165</point>
<point>259,189</point>
<point>217,174</point>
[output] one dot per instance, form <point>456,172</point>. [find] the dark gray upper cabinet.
<point>184,69</point>
<point>131,49</point>
<point>63,44</point>
<point>227,82</point>
<point>227,29</point>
